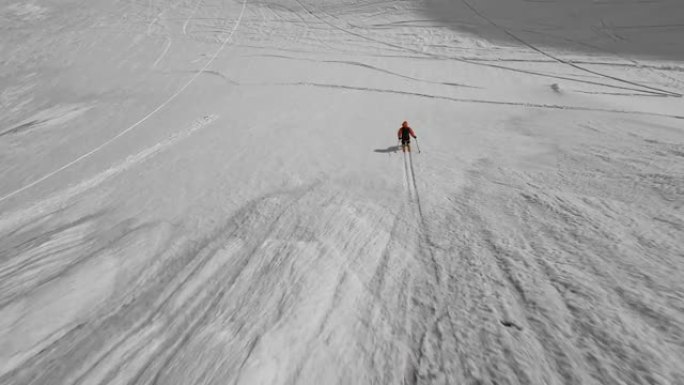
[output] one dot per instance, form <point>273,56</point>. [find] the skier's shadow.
<point>388,150</point>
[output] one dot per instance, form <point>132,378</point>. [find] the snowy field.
<point>210,192</point>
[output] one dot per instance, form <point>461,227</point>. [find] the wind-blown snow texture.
<point>210,192</point>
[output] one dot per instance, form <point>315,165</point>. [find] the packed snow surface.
<point>211,192</point>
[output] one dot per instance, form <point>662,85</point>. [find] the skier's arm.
<point>411,132</point>
<point>399,134</point>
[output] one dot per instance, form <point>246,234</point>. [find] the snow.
<point>210,192</point>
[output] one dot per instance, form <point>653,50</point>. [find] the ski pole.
<point>417,146</point>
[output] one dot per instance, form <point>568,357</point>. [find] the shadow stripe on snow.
<point>473,62</point>
<point>171,274</point>
<point>482,101</point>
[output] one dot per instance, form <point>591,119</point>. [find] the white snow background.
<point>210,192</point>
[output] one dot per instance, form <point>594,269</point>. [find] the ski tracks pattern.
<point>425,362</point>
<point>178,306</point>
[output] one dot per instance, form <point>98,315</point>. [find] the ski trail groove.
<point>409,188</point>
<point>187,21</point>
<point>426,359</point>
<point>415,187</point>
<point>164,52</point>
<point>53,202</point>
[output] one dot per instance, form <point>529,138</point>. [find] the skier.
<point>404,136</point>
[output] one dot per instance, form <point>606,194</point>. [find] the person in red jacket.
<point>404,135</point>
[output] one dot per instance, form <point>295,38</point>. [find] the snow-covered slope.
<point>210,192</point>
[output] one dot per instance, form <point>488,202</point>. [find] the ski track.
<point>56,201</point>
<point>190,16</point>
<point>183,290</point>
<point>425,360</point>
<point>164,52</point>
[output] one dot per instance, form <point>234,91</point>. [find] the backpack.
<point>405,133</point>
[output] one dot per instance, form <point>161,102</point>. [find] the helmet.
<point>404,124</point>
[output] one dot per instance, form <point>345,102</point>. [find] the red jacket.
<point>400,134</point>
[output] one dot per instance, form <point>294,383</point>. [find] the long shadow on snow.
<point>387,150</point>
<point>150,293</point>
<point>652,29</point>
